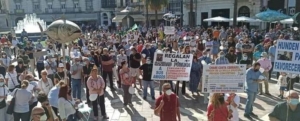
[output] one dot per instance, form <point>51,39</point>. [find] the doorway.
<point>244,11</point>
<point>204,15</point>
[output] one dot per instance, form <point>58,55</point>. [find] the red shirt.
<point>140,48</point>
<point>169,110</point>
<point>220,114</point>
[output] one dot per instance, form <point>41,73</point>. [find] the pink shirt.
<point>265,63</point>
<point>97,83</point>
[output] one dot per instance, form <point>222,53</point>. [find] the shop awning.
<point>138,17</point>
<point>118,18</point>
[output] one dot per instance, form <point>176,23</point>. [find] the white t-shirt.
<point>12,79</point>
<point>34,84</point>
<point>235,113</point>
<point>45,87</point>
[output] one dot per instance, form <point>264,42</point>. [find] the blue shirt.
<point>260,47</point>
<point>272,50</point>
<point>53,96</point>
<point>206,59</point>
<point>221,60</point>
<point>251,75</point>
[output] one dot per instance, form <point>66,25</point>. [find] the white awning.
<point>118,18</point>
<point>138,17</point>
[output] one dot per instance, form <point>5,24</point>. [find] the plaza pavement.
<point>192,107</point>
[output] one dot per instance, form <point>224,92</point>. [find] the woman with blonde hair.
<point>45,83</point>
<point>22,100</point>
<point>217,109</point>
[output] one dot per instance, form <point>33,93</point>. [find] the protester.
<point>251,87</point>
<point>195,76</point>
<point>126,83</point>
<point>38,114</point>
<point>107,65</point>
<point>233,101</point>
<point>53,96</point>
<point>221,59</point>
<point>134,63</point>
<point>217,109</point>
<point>266,65</point>
<point>45,83</point>
<point>167,101</point>
<point>3,95</point>
<point>120,58</point>
<point>22,100</point>
<point>282,82</point>
<point>66,105</point>
<point>96,85</point>
<point>76,78</point>
<point>11,78</point>
<point>288,110</point>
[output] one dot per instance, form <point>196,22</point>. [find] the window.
<point>63,6</point>
<point>36,6</point>
<point>89,5</point>
<point>76,5</point>
<point>50,6</point>
<point>18,7</point>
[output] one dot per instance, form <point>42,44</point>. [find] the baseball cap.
<point>61,65</point>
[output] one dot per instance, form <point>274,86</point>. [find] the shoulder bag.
<point>11,106</point>
<point>78,114</point>
<point>3,103</point>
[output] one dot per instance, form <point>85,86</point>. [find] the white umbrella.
<point>217,19</point>
<point>287,21</point>
<point>245,19</point>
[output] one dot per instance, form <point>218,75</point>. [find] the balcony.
<point>19,11</point>
<point>60,10</point>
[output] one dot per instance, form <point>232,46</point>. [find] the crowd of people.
<point>100,58</point>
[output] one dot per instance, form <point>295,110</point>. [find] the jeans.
<point>250,102</point>
<point>127,96</point>
<point>22,116</point>
<point>145,86</point>
<point>238,57</point>
<point>182,88</point>
<point>100,100</point>
<point>109,74</point>
<point>76,88</point>
<point>39,68</point>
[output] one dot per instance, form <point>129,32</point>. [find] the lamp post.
<point>235,13</point>
<point>147,14</point>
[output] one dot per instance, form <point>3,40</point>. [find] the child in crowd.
<point>282,82</point>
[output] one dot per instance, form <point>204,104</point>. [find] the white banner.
<point>287,57</point>
<point>172,66</point>
<point>169,30</point>
<point>223,78</point>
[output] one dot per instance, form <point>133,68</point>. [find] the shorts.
<point>282,88</point>
<point>134,72</point>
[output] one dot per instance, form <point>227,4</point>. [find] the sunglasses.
<point>40,114</point>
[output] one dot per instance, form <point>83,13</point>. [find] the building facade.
<point>99,12</point>
<point>212,8</point>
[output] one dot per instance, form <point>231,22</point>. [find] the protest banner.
<point>172,66</point>
<point>169,30</point>
<point>287,57</point>
<point>223,78</point>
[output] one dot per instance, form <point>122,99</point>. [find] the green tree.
<point>156,5</point>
